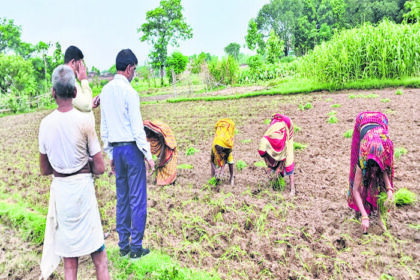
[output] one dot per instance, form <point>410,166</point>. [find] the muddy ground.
<point>250,231</point>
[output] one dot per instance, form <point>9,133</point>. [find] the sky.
<point>101,28</point>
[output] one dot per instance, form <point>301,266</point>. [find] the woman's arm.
<point>357,197</point>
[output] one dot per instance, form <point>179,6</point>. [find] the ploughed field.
<point>246,231</point>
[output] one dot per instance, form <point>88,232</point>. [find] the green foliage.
<point>255,62</point>
<point>264,72</point>
<point>154,157</point>
<point>404,197</point>
<point>336,106</point>
<point>296,128</point>
<point>267,121</point>
<point>260,163</point>
<point>398,152</point>
<point>185,166</point>
<point>254,39</point>
<point>177,62</point>
<point>307,106</point>
<point>299,146</point>
<point>399,92</point>
<point>332,119</point>
<point>385,100</point>
<point>386,277</point>
<point>332,113</point>
<point>213,181</point>
<point>198,61</point>
<point>240,164</point>
<point>191,151</point>
<point>164,25</point>
<point>413,14</point>
<point>278,184</point>
<point>348,133</point>
<point>386,51</point>
<point>274,48</point>
<point>30,224</point>
<point>245,141</point>
<point>225,71</point>
<point>361,95</point>
<point>233,50</point>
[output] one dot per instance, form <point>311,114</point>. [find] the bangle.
<point>389,189</point>
<point>365,218</point>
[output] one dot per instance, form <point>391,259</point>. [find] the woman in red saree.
<point>371,166</point>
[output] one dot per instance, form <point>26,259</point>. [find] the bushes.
<point>264,72</point>
<point>387,51</point>
<point>177,62</point>
<point>225,71</point>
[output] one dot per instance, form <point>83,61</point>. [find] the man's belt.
<point>119,144</point>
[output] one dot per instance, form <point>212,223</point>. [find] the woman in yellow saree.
<point>163,145</point>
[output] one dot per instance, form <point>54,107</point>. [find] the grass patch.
<point>348,133</point>
<point>399,92</point>
<point>332,113</point>
<point>278,184</point>
<point>385,100</point>
<point>30,224</point>
<point>156,265</point>
<point>191,151</point>
<point>185,166</point>
<point>398,152</point>
<point>299,146</point>
<point>404,197</point>
<point>240,164</point>
<point>307,106</point>
<point>361,95</point>
<point>260,163</point>
<point>332,119</point>
<point>336,106</point>
<point>245,141</point>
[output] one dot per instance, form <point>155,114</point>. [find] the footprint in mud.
<point>340,244</point>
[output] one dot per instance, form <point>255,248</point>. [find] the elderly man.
<point>73,57</point>
<point>70,150</point>
<point>125,142</point>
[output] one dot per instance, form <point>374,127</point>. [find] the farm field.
<point>246,231</point>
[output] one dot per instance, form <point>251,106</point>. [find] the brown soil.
<point>249,231</point>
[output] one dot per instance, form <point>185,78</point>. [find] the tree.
<point>177,62</point>
<point>9,35</point>
<point>274,48</point>
<point>254,39</point>
<point>233,50</point>
<point>413,15</point>
<point>165,25</point>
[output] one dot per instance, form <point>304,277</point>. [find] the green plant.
<point>370,95</point>
<point>278,184</point>
<point>191,151</point>
<point>399,92</point>
<point>385,100</point>
<point>184,166</point>
<point>245,141</point>
<point>336,106</point>
<point>213,181</point>
<point>240,164</point>
<point>307,106</point>
<point>296,129</point>
<point>260,163</point>
<point>332,119</point>
<point>386,277</point>
<point>348,133</point>
<point>154,157</point>
<point>299,146</point>
<point>404,197</point>
<point>267,121</point>
<point>398,152</point>
<point>332,113</point>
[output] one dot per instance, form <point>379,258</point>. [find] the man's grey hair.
<point>64,82</point>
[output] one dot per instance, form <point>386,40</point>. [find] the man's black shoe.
<point>134,255</point>
<point>124,253</point>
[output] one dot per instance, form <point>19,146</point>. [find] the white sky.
<point>102,28</point>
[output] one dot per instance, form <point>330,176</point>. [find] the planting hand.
<point>365,225</point>
<point>81,71</point>
<point>389,202</point>
<point>151,165</point>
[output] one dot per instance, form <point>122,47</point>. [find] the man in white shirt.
<point>124,139</point>
<point>73,57</point>
<point>70,150</point>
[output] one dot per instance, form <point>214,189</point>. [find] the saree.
<point>224,137</point>
<point>277,143</point>
<point>163,145</point>
<point>377,146</point>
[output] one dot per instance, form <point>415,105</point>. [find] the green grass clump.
<point>191,151</point>
<point>296,129</point>
<point>240,164</point>
<point>415,226</point>
<point>299,146</point>
<point>213,181</point>
<point>385,100</point>
<point>404,197</point>
<point>245,141</point>
<point>267,121</point>
<point>336,106</point>
<point>399,92</point>
<point>278,184</point>
<point>332,119</point>
<point>398,152</point>
<point>185,166</point>
<point>155,265</point>
<point>154,157</point>
<point>348,133</point>
<point>30,224</point>
<point>260,163</point>
<point>332,113</point>
<point>371,95</point>
<point>307,106</point>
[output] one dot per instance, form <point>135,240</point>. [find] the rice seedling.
<point>348,133</point>
<point>332,113</point>
<point>385,100</point>
<point>332,119</point>
<point>245,141</point>
<point>154,157</point>
<point>399,92</point>
<point>386,277</point>
<point>213,181</point>
<point>414,226</point>
<point>369,96</point>
<point>296,128</point>
<point>240,164</point>
<point>404,197</point>
<point>267,121</point>
<point>382,197</point>
<point>398,152</point>
<point>191,151</point>
<point>299,146</point>
<point>184,166</point>
<point>278,184</point>
<point>307,106</point>
<point>260,163</point>
<point>336,106</point>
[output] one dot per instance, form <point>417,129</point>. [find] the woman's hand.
<point>365,224</point>
<point>389,202</point>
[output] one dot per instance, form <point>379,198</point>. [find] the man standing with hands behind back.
<point>124,139</point>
